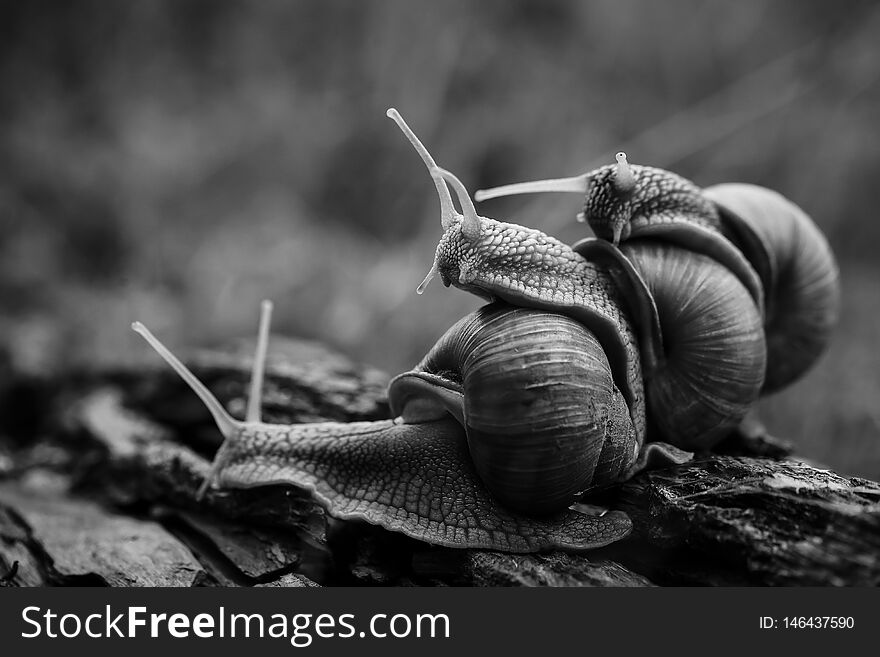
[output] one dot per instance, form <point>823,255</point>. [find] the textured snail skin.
<point>407,486</point>
<point>657,198</point>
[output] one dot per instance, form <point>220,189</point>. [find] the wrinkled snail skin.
<point>542,421</point>
<point>798,270</point>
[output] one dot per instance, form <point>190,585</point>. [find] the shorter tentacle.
<point>255,397</point>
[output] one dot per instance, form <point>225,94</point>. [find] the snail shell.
<point>543,418</point>
<point>713,349</point>
<point>703,348</point>
<point>798,271</point>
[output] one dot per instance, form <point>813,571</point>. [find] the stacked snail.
<point>589,363</point>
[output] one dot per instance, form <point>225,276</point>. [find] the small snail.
<point>543,421</point>
<point>766,240</point>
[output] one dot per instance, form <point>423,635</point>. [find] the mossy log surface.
<point>99,470</point>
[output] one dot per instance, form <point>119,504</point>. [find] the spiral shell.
<point>543,418</point>
<point>714,354</point>
<point>798,270</point>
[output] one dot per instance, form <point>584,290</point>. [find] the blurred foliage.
<point>176,161</point>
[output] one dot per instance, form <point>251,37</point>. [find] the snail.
<point>505,373</point>
<point>767,241</point>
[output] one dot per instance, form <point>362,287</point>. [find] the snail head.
<point>620,198</point>
<point>478,254</point>
<point>609,193</point>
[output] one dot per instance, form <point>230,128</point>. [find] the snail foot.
<point>658,455</point>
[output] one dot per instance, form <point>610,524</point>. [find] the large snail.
<point>533,371</point>
<point>533,399</point>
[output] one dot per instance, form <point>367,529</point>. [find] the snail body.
<point>497,431</point>
<point>768,242</point>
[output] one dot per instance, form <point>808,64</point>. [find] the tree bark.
<point>99,483</point>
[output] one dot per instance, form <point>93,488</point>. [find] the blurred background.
<point>177,161</point>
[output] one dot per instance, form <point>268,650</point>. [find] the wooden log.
<point>750,516</point>
<point>74,541</point>
<point>738,520</point>
<point>486,568</point>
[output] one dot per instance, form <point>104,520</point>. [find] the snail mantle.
<point>127,451</point>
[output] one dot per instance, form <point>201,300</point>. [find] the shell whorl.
<point>798,271</point>
<point>543,418</point>
<point>714,354</point>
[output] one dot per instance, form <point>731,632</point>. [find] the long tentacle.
<point>573,185</point>
<point>447,210</point>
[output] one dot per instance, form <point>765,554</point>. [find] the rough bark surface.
<point>99,472</point>
<point>739,520</point>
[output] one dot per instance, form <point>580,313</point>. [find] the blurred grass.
<point>176,162</point>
